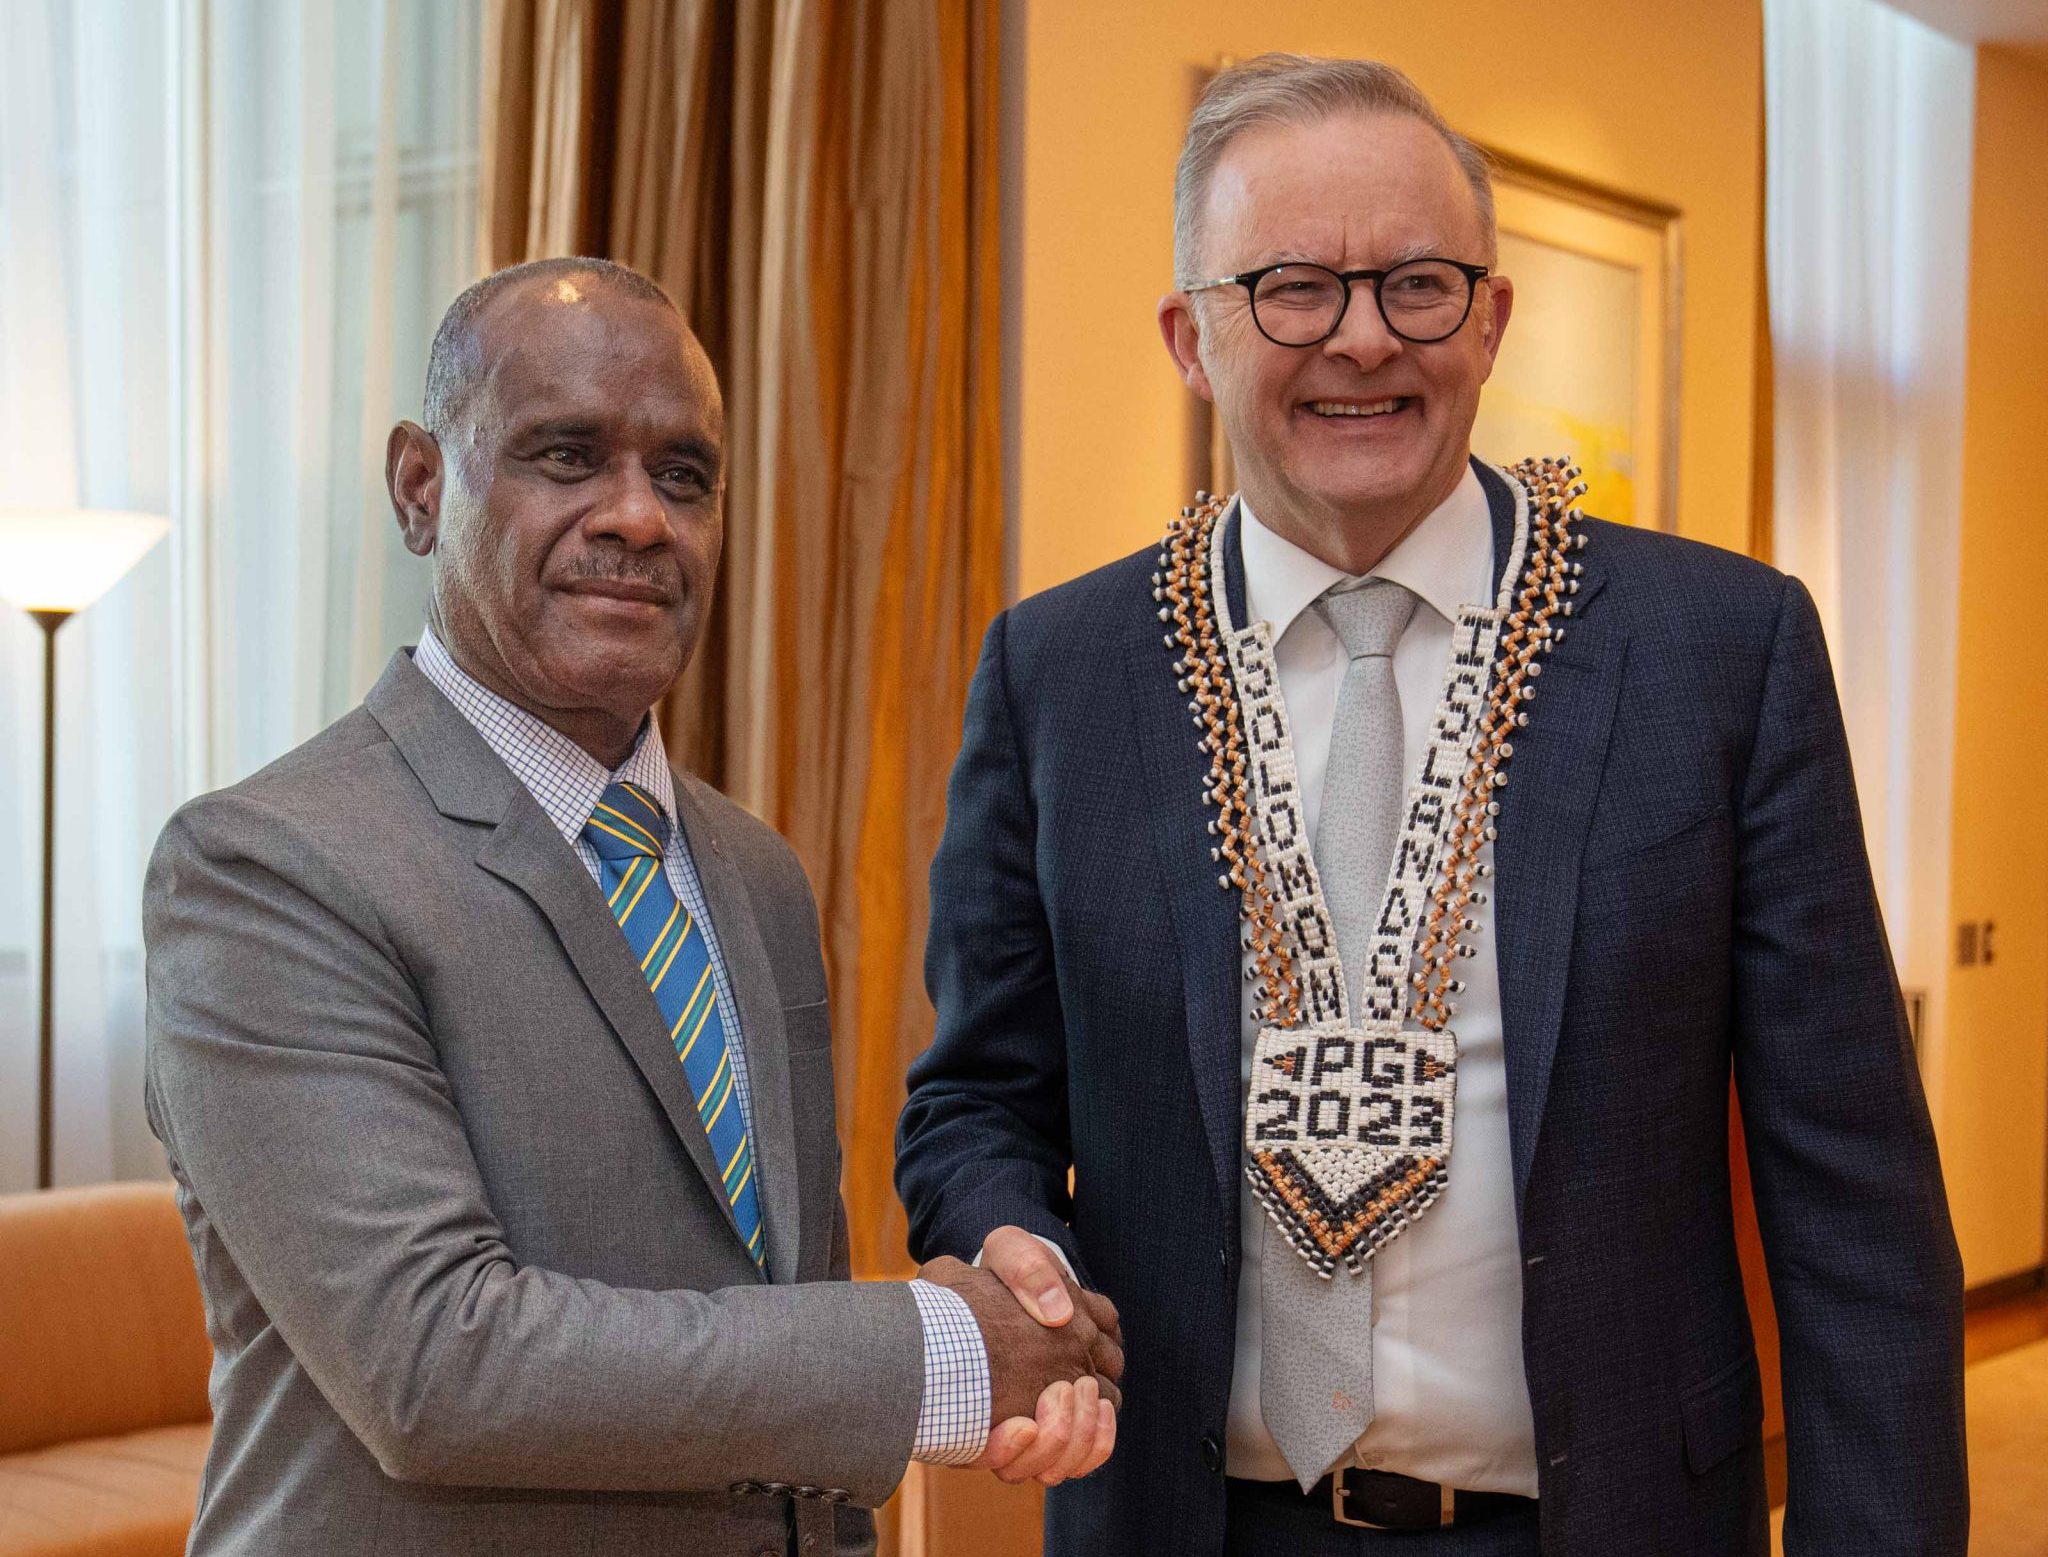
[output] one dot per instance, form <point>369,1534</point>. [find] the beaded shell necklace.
<point>1348,1122</point>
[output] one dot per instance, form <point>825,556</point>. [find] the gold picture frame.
<point>1590,365</point>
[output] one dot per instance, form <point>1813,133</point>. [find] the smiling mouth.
<point>1333,409</point>
<point>634,591</point>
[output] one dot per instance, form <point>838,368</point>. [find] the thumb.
<point>1031,1272</point>
<point>1007,1440</point>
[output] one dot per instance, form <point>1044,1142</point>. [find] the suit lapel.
<point>1500,509</point>
<point>526,851</point>
<point>467,782</point>
<point>754,991</point>
<point>1546,810</point>
<point>1203,915</point>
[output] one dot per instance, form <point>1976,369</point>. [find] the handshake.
<point>1055,1354</point>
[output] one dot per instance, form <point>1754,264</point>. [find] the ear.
<point>1182,332</point>
<point>1493,311</point>
<point>412,473</point>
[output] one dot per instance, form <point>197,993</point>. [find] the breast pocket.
<point>807,1030</point>
<point>1682,871</point>
<point>808,1027</point>
<point>1653,940</point>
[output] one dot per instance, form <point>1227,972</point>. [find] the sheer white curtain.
<point>226,230</point>
<point>1869,118</point>
<point>341,173</point>
<point>84,382</point>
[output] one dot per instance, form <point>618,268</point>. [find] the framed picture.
<point>1590,364</point>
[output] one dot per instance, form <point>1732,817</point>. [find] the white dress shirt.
<point>953,1418</point>
<point>1451,1403</point>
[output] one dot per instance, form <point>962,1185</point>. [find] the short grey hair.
<point>1299,89</point>
<point>454,361</point>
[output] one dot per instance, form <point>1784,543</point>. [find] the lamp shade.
<point>63,559</point>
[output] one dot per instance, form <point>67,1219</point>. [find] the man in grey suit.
<point>491,1056</point>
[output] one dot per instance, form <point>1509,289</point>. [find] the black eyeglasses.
<point>1295,303</point>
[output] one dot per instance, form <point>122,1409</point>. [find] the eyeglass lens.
<point>1421,301</point>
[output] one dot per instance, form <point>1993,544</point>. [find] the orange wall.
<point>1658,101</point>
<point>1990,1092</point>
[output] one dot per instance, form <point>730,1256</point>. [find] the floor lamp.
<point>53,564</point>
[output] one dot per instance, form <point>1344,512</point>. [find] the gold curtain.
<point>815,182</point>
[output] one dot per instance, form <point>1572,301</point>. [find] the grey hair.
<point>453,362</point>
<point>1298,89</point>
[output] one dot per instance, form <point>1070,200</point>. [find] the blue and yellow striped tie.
<point>630,833</point>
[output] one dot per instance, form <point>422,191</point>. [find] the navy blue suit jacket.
<point>1682,893</point>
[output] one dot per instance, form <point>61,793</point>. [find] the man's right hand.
<point>1053,1389</point>
<point>1025,1355</point>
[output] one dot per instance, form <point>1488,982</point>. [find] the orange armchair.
<point>103,1362</point>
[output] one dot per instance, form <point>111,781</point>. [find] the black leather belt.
<point>1386,1500</point>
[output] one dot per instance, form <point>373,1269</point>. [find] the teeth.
<point>1354,408</point>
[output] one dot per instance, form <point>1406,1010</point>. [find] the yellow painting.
<point>1589,365</point>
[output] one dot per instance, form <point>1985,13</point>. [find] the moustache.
<point>620,568</point>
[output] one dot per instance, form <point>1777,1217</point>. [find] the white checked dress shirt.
<point>953,1420</point>
<point>1451,1403</point>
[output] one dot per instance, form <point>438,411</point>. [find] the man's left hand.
<point>1073,1433</point>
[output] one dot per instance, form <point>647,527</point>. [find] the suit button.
<point>1212,1454</point>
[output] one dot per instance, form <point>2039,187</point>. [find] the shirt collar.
<point>1446,560</point>
<point>564,778</point>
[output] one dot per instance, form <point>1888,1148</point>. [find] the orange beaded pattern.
<point>1548,582</point>
<point>1531,628</point>
<point>1204,675</point>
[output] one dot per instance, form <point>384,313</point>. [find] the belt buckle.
<point>1446,1510</point>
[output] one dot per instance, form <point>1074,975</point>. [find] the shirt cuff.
<point>953,1420</point>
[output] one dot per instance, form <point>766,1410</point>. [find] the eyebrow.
<point>566,428</point>
<point>1412,251</point>
<point>688,445</point>
<point>1408,251</point>
<point>703,450</point>
<point>1281,257</point>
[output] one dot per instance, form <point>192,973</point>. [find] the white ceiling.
<point>2018,24</point>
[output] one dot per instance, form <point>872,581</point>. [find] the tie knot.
<point>627,824</point>
<point>1367,618</point>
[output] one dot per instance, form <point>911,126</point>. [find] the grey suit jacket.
<point>469,1284</point>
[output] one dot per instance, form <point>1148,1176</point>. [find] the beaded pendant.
<point>1348,1121</point>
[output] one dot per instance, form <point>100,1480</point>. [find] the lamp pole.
<point>54,562</point>
<point>46,1043</point>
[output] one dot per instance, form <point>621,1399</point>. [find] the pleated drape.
<point>815,182</point>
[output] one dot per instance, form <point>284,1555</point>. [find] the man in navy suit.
<point>1481,1297</point>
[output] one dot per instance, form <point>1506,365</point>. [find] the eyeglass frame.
<point>1250,279</point>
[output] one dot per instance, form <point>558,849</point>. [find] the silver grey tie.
<point>1315,1352</point>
